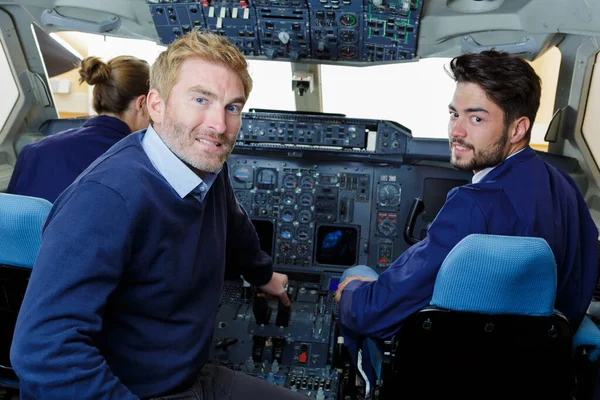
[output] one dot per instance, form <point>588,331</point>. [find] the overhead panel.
<point>361,32</point>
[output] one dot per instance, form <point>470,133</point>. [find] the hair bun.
<point>93,71</point>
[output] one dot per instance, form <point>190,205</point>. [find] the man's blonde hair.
<point>204,45</point>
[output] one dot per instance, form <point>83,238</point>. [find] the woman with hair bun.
<point>45,168</point>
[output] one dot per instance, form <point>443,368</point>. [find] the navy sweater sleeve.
<point>243,246</point>
<point>86,242</point>
<point>376,309</point>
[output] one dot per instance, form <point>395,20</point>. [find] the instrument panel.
<point>324,31</point>
<point>320,215</point>
<point>348,196</point>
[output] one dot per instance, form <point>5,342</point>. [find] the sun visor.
<point>57,58</point>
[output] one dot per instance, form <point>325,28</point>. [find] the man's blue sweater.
<point>124,292</point>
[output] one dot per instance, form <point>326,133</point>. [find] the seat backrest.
<point>494,274</point>
<point>21,220</point>
<point>490,332</point>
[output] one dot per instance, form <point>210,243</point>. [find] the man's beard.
<point>181,140</point>
<point>488,157</point>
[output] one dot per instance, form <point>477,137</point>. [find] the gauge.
<point>285,247</point>
<point>261,198</point>
<point>286,232</point>
<point>242,177</point>
<point>290,181</point>
<point>389,195</point>
<point>387,225</point>
<point>347,35</point>
<point>348,20</point>
<point>266,179</point>
<point>305,216</point>
<point>288,215</point>
<point>307,182</point>
<point>348,51</point>
<point>386,228</point>
<point>306,200</point>
<point>304,233</point>
<point>302,250</point>
<point>288,198</point>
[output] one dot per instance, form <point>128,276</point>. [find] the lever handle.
<point>51,17</point>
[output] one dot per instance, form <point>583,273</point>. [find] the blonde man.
<point>124,293</point>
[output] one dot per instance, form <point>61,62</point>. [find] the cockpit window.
<point>416,94</point>
<point>591,121</point>
<point>272,87</point>
<point>10,92</point>
<point>547,67</point>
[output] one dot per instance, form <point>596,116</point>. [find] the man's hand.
<point>341,286</point>
<point>276,288</point>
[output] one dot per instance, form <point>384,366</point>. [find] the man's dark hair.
<point>508,81</point>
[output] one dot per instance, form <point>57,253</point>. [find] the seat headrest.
<point>493,274</point>
<point>21,221</point>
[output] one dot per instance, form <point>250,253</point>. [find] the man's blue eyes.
<point>230,108</point>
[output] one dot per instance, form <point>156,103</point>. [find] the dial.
<point>290,181</point>
<point>304,233</point>
<point>307,182</point>
<point>348,20</point>
<point>305,216</point>
<point>287,232</point>
<point>243,177</point>
<point>348,51</point>
<point>306,199</point>
<point>347,35</point>
<point>261,198</point>
<point>288,198</point>
<point>288,215</point>
<point>266,179</point>
<point>387,224</point>
<point>386,227</point>
<point>285,247</point>
<point>389,195</point>
<point>302,250</point>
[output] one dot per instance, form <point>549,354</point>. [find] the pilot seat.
<point>21,220</point>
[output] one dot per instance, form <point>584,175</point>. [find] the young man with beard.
<point>513,192</point>
<point>124,292</point>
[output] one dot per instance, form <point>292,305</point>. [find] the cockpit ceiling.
<point>355,32</point>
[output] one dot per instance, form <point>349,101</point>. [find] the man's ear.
<point>156,106</point>
<point>520,126</point>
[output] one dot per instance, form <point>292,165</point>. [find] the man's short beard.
<point>485,158</point>
<point>179,134</point>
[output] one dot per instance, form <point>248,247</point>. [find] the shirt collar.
<point>177,174</point>
<point>481,174</point>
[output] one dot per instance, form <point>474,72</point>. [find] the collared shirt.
<point>481,174</point>
<point>179,175</point>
